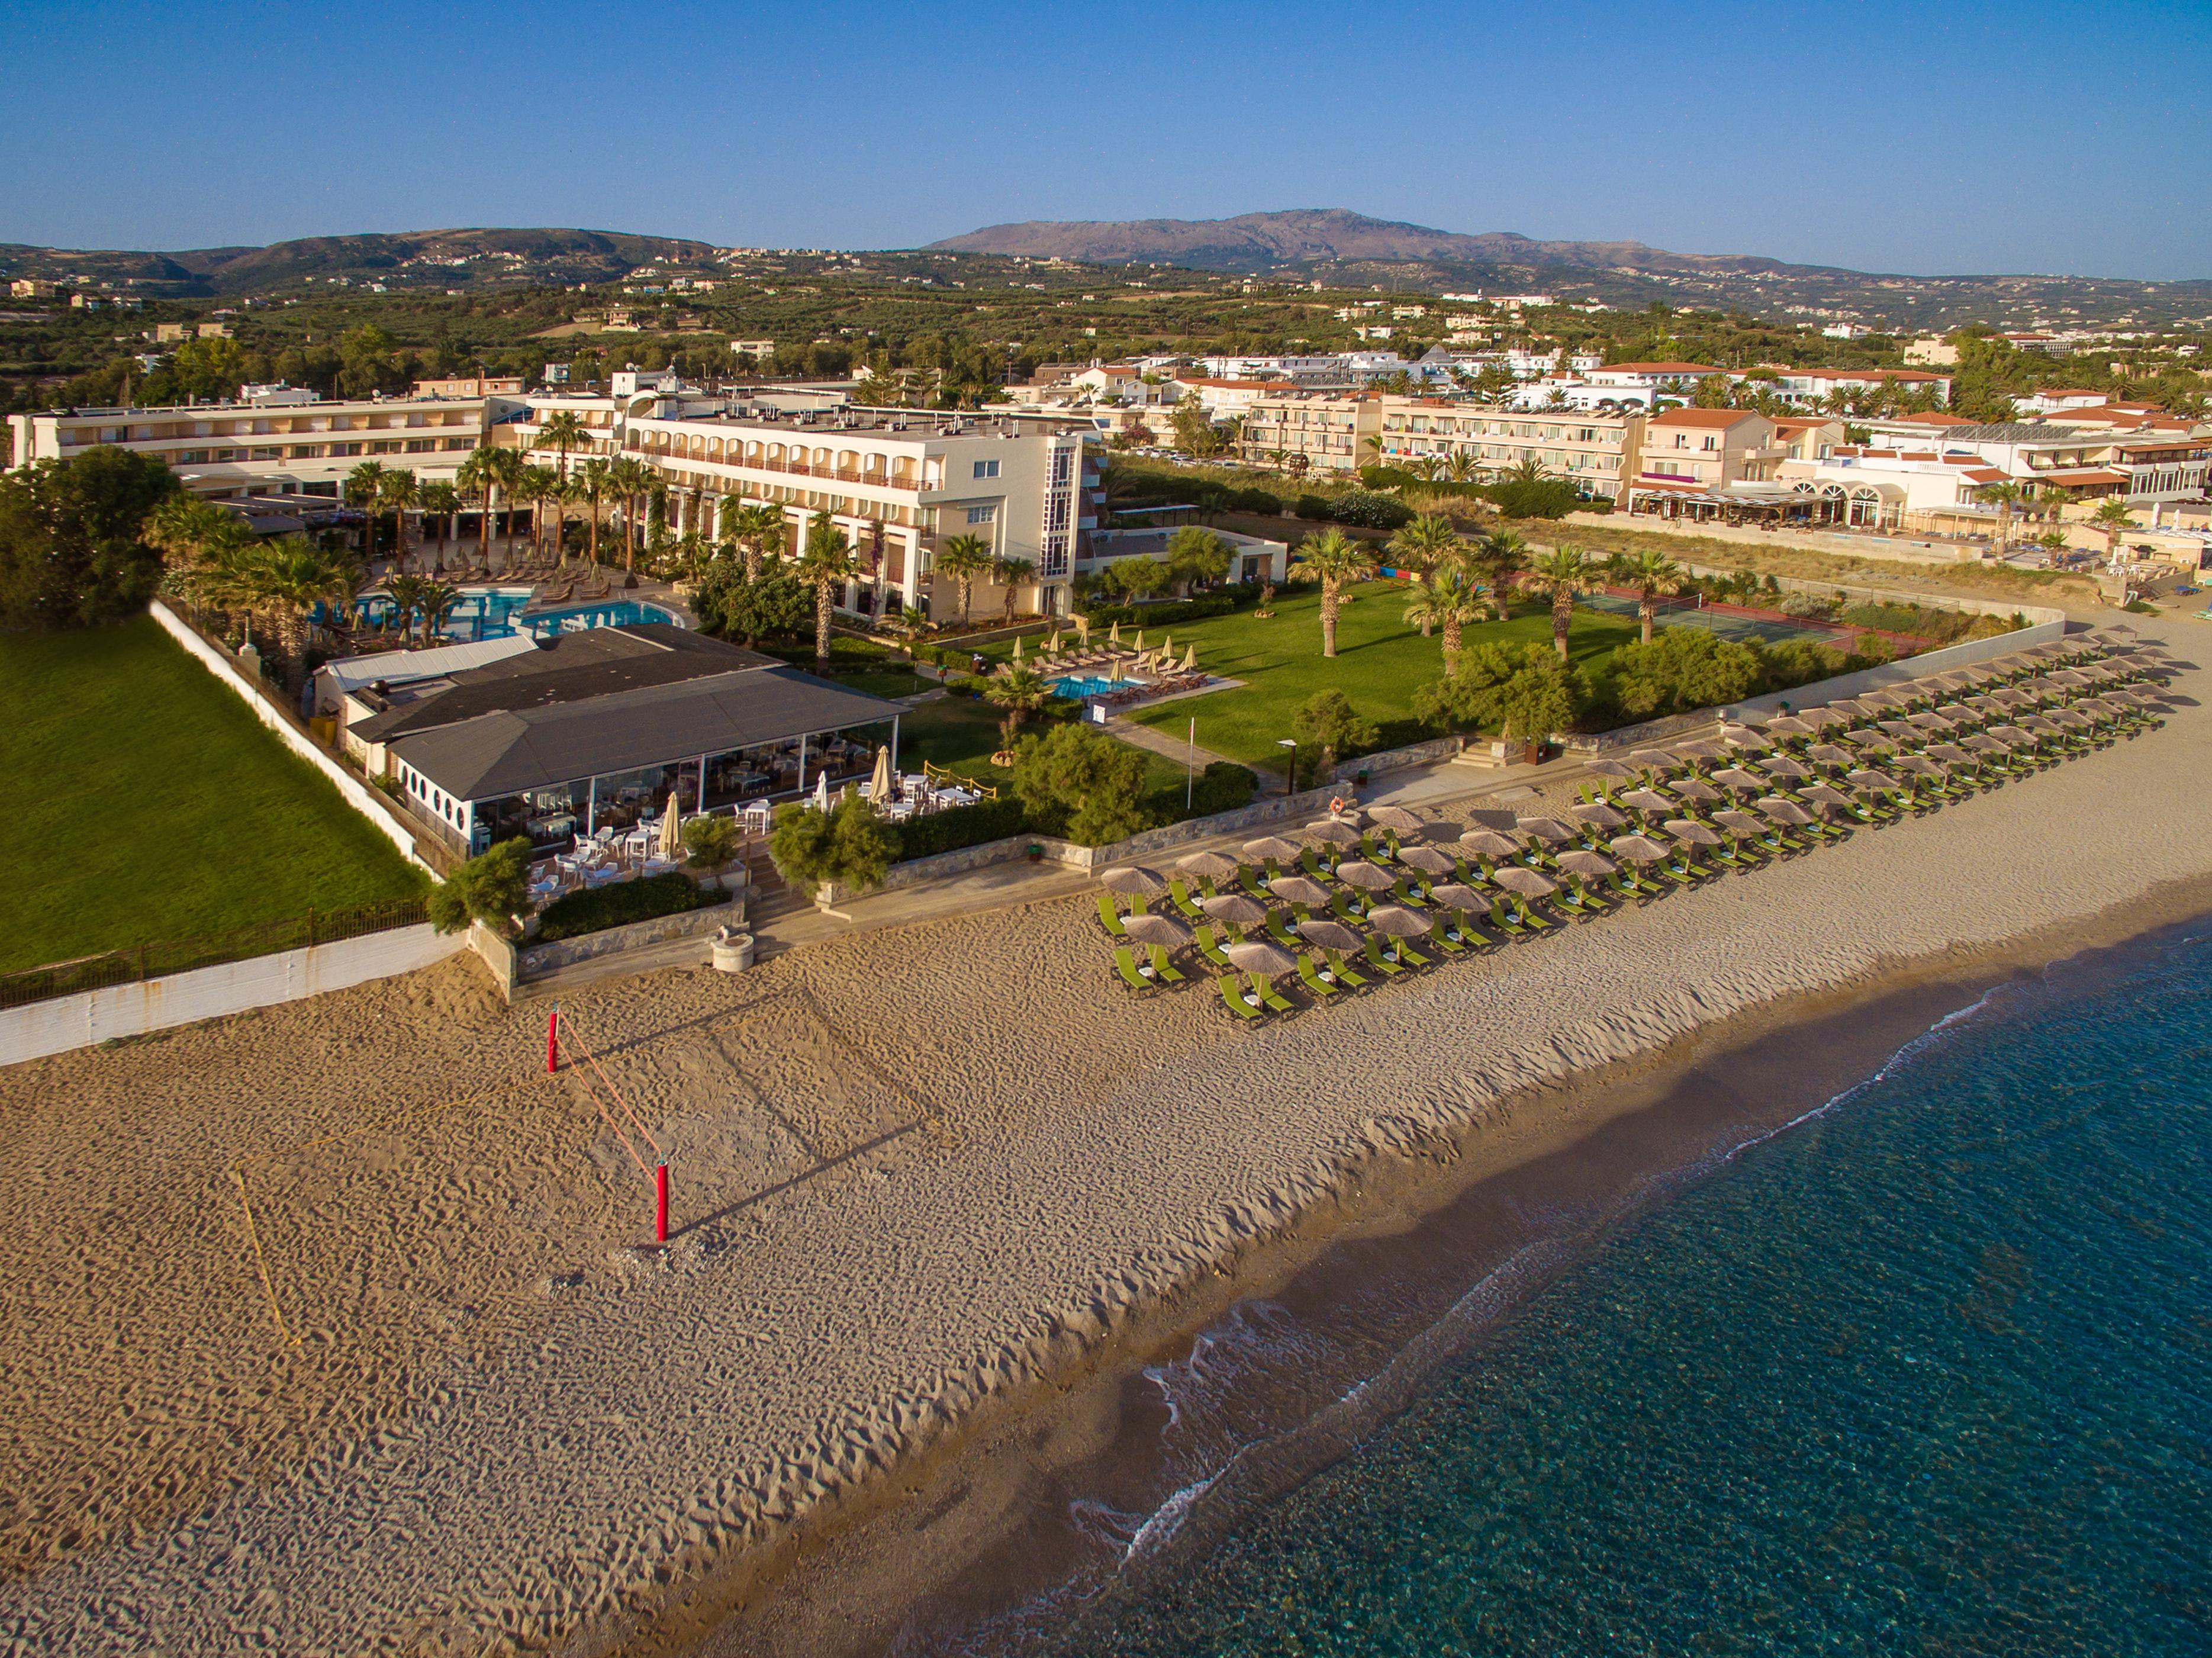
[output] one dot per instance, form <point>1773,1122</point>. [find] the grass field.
<point>960,733</point>
<point>150,804</point>
<point>1380,663</point>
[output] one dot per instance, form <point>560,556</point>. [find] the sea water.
<point>1929,1372</point>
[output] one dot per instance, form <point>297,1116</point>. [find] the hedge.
<point>596,908</point>
<point>963,826</point>
<point>1174,611</point>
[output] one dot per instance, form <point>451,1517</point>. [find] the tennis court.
<point>1727,622</point>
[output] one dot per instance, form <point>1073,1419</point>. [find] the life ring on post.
<point>1336,805</point>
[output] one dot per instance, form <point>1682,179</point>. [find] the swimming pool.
<point>495,613</point>
<point>1078,686</point>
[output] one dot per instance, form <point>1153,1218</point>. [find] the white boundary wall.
<point>358,795</point>
<point>210,993</point>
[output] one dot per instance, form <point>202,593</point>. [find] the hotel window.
<point>987,469</point>
<point>982,514</point>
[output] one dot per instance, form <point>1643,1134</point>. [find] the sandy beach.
<point>436,1399</point>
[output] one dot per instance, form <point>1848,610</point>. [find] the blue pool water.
<point>495,613</point>
<point>1078,686</point>
<point>1927,1372</point>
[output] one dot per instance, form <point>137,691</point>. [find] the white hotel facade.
<point>899,482</point>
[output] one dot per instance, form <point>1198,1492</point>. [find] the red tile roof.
<point>1715,417</point>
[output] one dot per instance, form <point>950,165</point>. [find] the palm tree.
<point>574,491</point>
<point>1501,555</point>
<point>1019,689</point>
<point>440,502</point>
<point>563,431</point>
<point>1653,575</point>
<point>432,602</point>
<point>286,579</point>
<point>1564,574</point>
<point>757,526</point>
<point>825,564</point>
<point>2005,496</point>
<point>1421,546</point>
<point>1459,468</point>
<point>1333,560</point>
<point>965,557</point>
<point>397,489</point>
<point>363,486</point>
<point>1010,574</point>
<point>2113,517</point>
<point>405,592</point>
<point>538,485</point>
<point>489,470</point>
<point>1447,599</point>
<point>629,478</point>
<point>593,476</point>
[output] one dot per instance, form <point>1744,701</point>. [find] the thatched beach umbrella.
<point>1261,957</point>
<point>1134,881</point>
<point>1647,801</point>
<point>1427,860</point>
<point>1691,832</point>
<point>1899,729</point>
<point>1698,750</point>
<point>1398,922</point>
<point>1275,847</point>
<point>1829,754</point>
<point>1332,832</point>
<point>1452,896</point>
<point>1789,726</point>
<point>1983,743</point>
<point>1550,830</point>
<point>1397,819</point>
<point>1517,877</point>
<point>1739,822</point>
<point>1654,759</point>
<point>1364,875</point>
<point>1869,779</point>
<point>1598,815</point>
<point>1238,909</point>
<point>1694,789</point>
<point>1164,930</point>
<point>1821,795</point>
<point>1638,848</point>
<point>1784,767</point>
<point>1736,781</point>
<point>1209,865</point>
<point>1949,753</point>
<point>1881,700</point>
<point>1489,843</point>
<point>1743,737</point>
<point>1614,769</point>
<point>1589,864</point>
<point>1824,719</point>
<point>1330,934</point>
<point>1786,812</point>
<point>1300,890</point>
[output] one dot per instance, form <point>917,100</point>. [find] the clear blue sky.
<point>1927,138</point>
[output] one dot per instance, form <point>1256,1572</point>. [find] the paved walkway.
<point>1176,749</point>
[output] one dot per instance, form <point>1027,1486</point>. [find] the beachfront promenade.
<point>916,1165</point>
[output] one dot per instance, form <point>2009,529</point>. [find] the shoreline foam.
<point>1010,1166</point>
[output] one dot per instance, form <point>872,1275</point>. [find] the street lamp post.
<point>1291,783</point>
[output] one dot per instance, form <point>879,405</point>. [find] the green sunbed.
<point>1266,993</point>
<point>1212,953</point>
<point>1232,997</point>
<point>1312,976</point>
<point>1111,916</point>
<point>1162,970</point>
<point>1131,974</point>
<point>1378,960</point>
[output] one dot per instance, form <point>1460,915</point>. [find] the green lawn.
<point>150,804</point>
<point>961,733</point>
<point>1380,663</point>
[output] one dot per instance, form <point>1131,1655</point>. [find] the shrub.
<point>846,845</point>
<point>1170,613</point>
<point>1364,509</point>
<point>1081,784</point>
<point>963,826</point>
<point>1522,690</point>
<point>1314,507</point>
<point>1544,498</point>
<point>710,841</point>
<point>1224,786</point>
<point>1260,502</point>
<point>492,887</point>
<point>596,908</point>
<point>73,552</point>
<point>1681,668</point>
<point>1329,719</point>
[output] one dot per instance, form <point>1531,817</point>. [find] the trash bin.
<point>733,949</point>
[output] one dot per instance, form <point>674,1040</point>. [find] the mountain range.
<point>1345,248</point>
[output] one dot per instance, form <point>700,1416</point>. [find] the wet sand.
<point>924,1177</point>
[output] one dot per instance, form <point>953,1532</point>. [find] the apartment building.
<point>1703,450</point>
<point>1649,378</point>
<point>1598,454</point>
<point>897,482</point>
<point>1325,434</point>
<point>271,439</point>
<point>1803,388</point>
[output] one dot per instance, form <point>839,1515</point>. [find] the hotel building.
<point>1599,453</point>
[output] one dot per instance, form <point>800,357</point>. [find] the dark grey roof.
<point>568,668</point>
<point>511,749</point>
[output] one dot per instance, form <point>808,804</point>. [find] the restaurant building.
<point>595,730</point>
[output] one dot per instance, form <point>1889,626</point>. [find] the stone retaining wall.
<point>536,960</point>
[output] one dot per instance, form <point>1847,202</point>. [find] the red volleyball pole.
<point>660,1203</point>
<point>553,1040</point>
